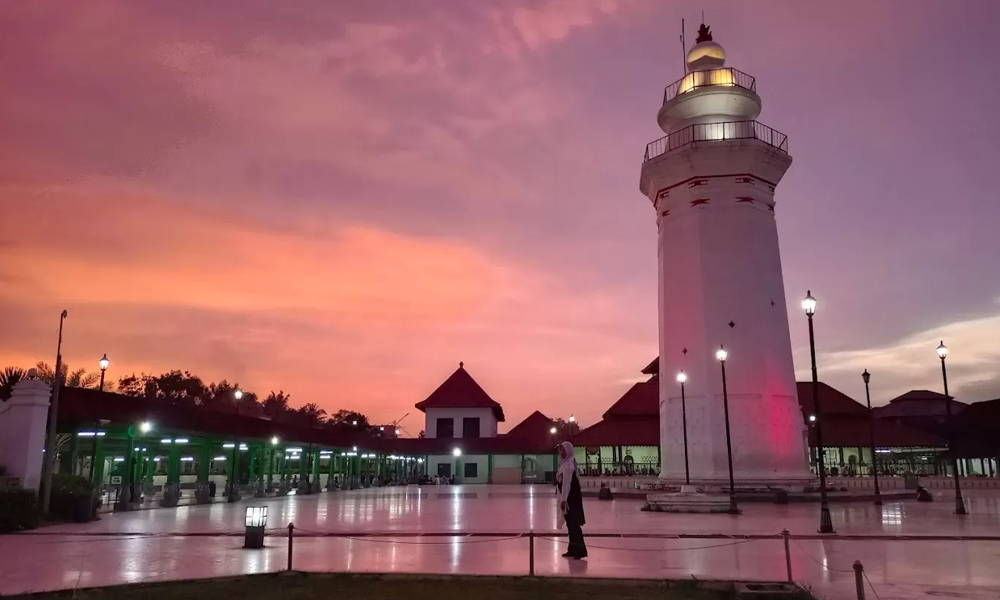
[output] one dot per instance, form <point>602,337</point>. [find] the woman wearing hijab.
<point>571,501</point>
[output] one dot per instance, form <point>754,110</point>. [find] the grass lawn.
<point>307,586</point>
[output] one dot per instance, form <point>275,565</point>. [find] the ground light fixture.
<point>256,521</point>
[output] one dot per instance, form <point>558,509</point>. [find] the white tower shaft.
<point>712,182</point>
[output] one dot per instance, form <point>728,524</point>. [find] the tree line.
<point>183,388</point>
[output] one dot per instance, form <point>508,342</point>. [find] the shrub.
<point>72,498</point>
<point>18,510</point>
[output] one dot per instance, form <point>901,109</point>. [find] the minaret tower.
<point>711,180</point>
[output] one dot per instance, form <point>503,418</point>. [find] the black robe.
<point>574,503</point>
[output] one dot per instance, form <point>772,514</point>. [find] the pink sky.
<point>344,200</point>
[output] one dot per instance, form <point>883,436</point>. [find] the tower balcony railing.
<point>714,132</point>
<point>713,77</point>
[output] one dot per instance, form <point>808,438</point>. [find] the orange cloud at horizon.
<point>159,286</point>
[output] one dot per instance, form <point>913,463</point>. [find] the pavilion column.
<point>98,467</point>
<point>204,461</point>
<point>489,468</point>
<point>174,465</point>
<point>253,459</point>
<point>269,469</point>
<point>203,466</point>
<point>129,471</point>
<point>315,471</point>
<point>67,460</point>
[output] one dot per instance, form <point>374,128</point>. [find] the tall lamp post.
<point>50,440</point>
<point>866,376</point>
<point>942,352</point>
<point>234,478</point>
<point>721,356</point>
<point>103,363</point>
<point>825,523</point>
<point>682,379</point>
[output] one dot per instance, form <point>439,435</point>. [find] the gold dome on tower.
<point>706,53</point>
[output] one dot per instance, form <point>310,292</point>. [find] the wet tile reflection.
<point>57,557</point>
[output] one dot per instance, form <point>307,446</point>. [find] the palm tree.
<point>312,415</point>
<point>275,405</point>
<point>8,379</point>
<point>79,378</point>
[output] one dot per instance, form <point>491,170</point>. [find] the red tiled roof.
<point>653,368</point>
<point>977,430</point>
<point>919,403</point>
<point>831,400</point>
<point>641,400</point>
<point>853,430</point>
<point>536,427</point>
<point>79,406</point>
<point>493,445</point>
<point>461,391</point>
<point>642,431</point>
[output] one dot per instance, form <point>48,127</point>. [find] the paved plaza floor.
<point>205,541</point>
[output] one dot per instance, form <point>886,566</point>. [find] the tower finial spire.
<point>704,34</point>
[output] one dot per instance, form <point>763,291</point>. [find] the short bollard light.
<point>256,522</point>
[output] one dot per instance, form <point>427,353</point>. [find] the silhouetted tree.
<point>79,378</point>
<point>275,406</point>
<point>311,415</point>
<point>8,379</point>
<point>350,419</point>
<point>565,430</point>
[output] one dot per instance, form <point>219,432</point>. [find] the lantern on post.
<point>256,521</point>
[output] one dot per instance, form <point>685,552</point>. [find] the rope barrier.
<point>736,543</point>
<point>387,540</point>
<point>865,573</point>
<point>820,563</point>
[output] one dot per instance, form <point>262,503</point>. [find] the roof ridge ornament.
<point>704,34</point>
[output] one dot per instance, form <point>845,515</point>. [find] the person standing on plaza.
<point>571,501</point>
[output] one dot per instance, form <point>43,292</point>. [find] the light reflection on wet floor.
<point>54,558</point>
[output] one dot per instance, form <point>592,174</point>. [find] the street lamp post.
<point>721,356</point>
<point>50,440</point>
<point>825,522</point>
<point>682,379</point>
<point>866,376</point>
<point>942,352</point>
<point>103,363</point>
<point>234,478</point>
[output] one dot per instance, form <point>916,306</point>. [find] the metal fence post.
<point>788,555</point>
<point>531,554</point>
<point>859,579</point>
<point>291,535</point>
